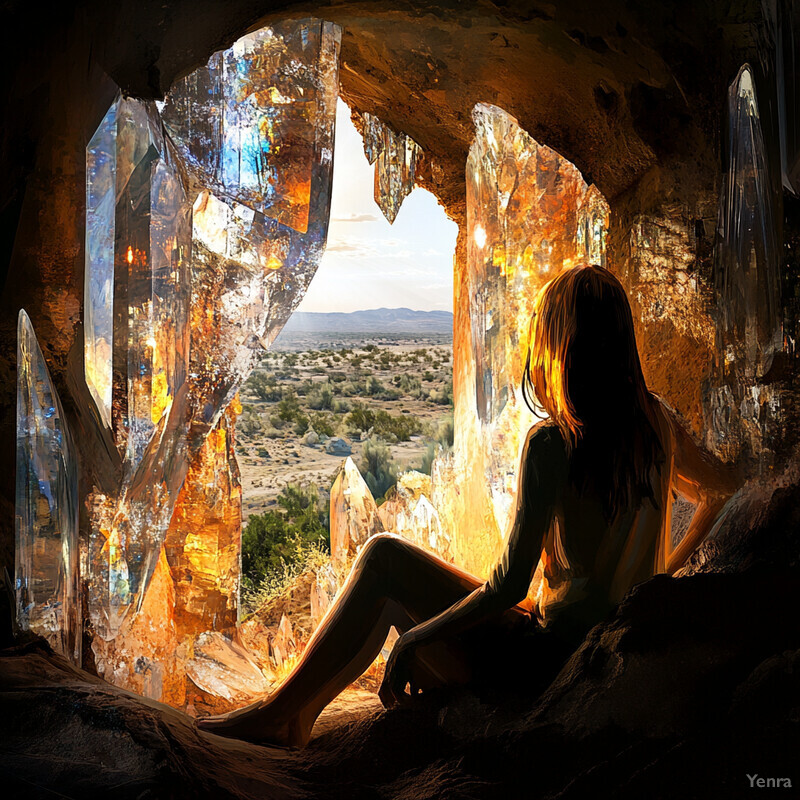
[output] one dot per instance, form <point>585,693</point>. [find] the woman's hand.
<point>399,673</point>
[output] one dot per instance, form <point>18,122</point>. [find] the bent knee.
<point>380,546</point>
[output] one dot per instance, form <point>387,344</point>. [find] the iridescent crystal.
<point>248,123</point>
<point>396,155</point>
<point>372,136</point>
<point>748,269</point>
<point>223,668</point>
<point>248,274</point>
<point>47,547</point>
<point>138,240</point>
<point>137,297</point>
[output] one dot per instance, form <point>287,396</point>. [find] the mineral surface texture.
<point>745,409</point>
<point>354,515</point>
<point>246,187</point>
<point>530,214</point>
<point>395,156</point>
<point>47,547</point>
<point>138,234</point>
<point>748,276</point>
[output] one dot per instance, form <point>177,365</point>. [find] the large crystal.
<point>529,215</point>
<point>748,268</point>
<point>396,155</point>
<point>250,266</point>
<point>138,240</point>
<point>251,123</point>
<point>47,547</point>
<point>248,274</point>
<point>782,61</point>
<point>223,668</point>
<point>137,297</point>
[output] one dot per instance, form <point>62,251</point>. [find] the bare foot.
<point>258,723</point>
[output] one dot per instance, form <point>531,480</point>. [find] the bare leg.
<point>392,583</point>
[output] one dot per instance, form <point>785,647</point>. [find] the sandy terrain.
<point>269,459</point>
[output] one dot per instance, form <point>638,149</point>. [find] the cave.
<point>662,141</point>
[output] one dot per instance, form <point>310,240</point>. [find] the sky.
<point>369,263</point>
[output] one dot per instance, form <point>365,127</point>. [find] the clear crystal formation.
<point>530,214</point>
<point>748,273</point>
<point>138,249</point>
<point>47,546</point>
<point>354,514</point>
<point>136,338</point>
<point>255,252</point>
<point>395,156</point>
<point>264,150</point>
<point>252,123</point>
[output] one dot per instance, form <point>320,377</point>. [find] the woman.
<point>593,504</point>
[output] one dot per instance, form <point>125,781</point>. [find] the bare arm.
<point>702,479</point>
<point>509,581</point>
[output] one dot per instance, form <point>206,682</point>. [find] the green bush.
<point>320,397</point>
<point>322,424</point>
<point>277,541</point>
<point>377,467</point>
<point>427,458</point>
<point>394,428</point>
<point>264,385</point>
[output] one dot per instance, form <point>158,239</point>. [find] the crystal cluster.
<point>395,156</point>
<point>256,126</point>
<point>200,243</point>
<point>138,234</point>
<point>138,250</point>
<point>529,215</point>
<point>47,547</point>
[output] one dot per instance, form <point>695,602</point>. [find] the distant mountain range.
<point>376,320</point>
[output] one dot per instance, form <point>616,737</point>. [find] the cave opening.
<point>655,217</point>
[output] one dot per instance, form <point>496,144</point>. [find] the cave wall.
<point>634,97</point>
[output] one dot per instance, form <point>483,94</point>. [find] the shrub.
<point>361,418</point>
<point>377,467</point>
<point>340,406</point>
<point>393,428</point>
<point>249,423</point>
<point>427,458</point>
<point>265,386</point>
<point>321,423</point>
<point>279,541</point>
<point>320,397</point>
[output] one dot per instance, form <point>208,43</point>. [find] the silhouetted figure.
<point>595,490</point>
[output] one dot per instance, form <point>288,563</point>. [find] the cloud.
<point>356,218</point>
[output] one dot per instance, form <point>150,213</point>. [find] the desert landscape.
<point>318,396</point>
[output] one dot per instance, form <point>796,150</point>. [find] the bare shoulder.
<point>545,444</point>
<point>693,461</point>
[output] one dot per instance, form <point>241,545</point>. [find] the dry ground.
<point>271,457</point>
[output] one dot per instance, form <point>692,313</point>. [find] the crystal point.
<point>748,269</point>
<point>47,546</point>
<point>354,514</point>
<point>395,156</point>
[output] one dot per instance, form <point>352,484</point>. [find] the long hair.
<point>583,370</point>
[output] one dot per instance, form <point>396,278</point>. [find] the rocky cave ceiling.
<point>615,92</point>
